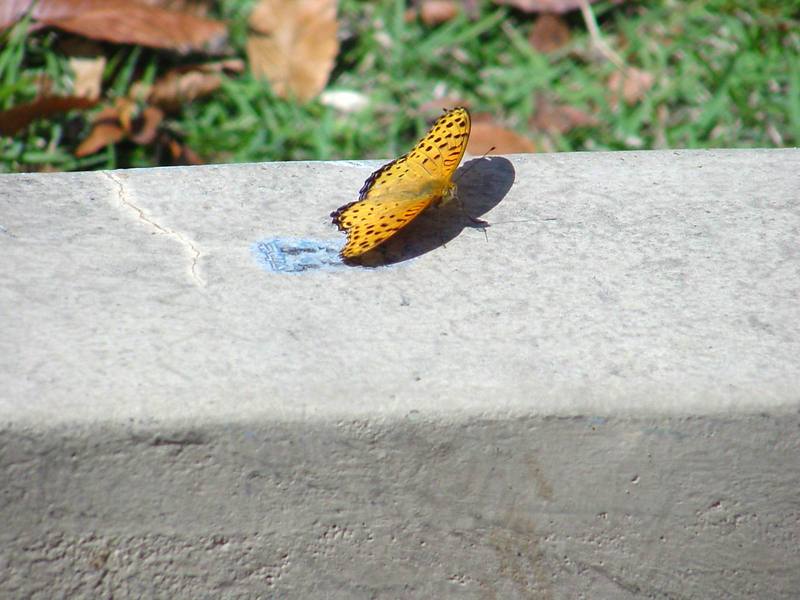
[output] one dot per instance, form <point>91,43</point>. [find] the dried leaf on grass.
<point>559,118</point>
<point>120,122</point>
<point>549,33</point>
<point>293,45</point>
<point>180,153</point>
<point>486,134</point>
<point>116,123</point>
<point>545,6</point>
<point>130,22</point>
<point>108,127</point>
<point>106,130</point>
<point>179,86</point>
<point>87,61</point>
<point>185,84</point>
<point>631,84</point>
<point>88,75</point>
<point>17,118</point>
<point>198,8</point>
<point>145,127</point>
<point>434,12</point>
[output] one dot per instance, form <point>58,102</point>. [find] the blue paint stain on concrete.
<point>292,255</point>
<point>289,255</point>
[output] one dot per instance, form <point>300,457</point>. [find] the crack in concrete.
<point>142,215</point>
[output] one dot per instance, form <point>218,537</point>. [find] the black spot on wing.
<point>336,216</point>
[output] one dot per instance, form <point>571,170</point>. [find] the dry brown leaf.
<point>549,33</point>
<point>126,111</point>
<point>107,129</point>
<point>88,61</point>
<point>632,84</point>
<point>544,6</point>
<point>129,22</point>
<point>434,12</point>
<point>181,153</point>
<point>184,84</point>
<point>293,45</point>
<point>88,75</point>
<point>486,134</point>
<point>178,88</point>
<point>111,125</point>
<point>559,118</point>
<point>17,118</point>
<point>145,126</point>
<point>198,8</point>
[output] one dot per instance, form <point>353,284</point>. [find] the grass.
<point>726,74</point>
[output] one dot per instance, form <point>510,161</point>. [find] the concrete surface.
<point>598,397</point>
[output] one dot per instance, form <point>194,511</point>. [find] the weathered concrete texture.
<point>599,399</point>
<point>701,507</point>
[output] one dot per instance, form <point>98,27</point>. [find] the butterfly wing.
<point>400,190</point>
<point>370,223</point>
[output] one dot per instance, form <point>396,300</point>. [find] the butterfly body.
<point>400,190</point>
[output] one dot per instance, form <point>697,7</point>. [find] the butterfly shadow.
<point>481,184</point>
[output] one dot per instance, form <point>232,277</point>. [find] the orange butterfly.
<point>400,190</point>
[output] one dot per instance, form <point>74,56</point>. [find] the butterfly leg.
<point>474,220</point>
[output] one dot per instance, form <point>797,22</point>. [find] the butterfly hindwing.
<point>369,224</point>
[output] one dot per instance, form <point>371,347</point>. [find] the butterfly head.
<point>450,192</point>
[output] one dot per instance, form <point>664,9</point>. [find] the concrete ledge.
<point>600,398</point>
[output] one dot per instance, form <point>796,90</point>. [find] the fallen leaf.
<point>111,125</point>
<point>198,8</point>
<point>545,6</point>
<point>184,84</point>
<point>631,84</point>
<point>487,137</point>
<point>126,109</point>
<point>129,22</point>
<point>88,75</point>
<point>87,61</point>
<point>559,118</point>
<point>549,33</point>
<point>107,129</point>
<point>293,45</point>
<point>434,12</point>
<point>176,88</point>
<point>145,126</point>
<point>18,117</point>
<point>182,154</point>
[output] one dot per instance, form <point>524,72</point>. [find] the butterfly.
<point>400,190</point>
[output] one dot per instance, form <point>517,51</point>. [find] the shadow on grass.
<point>481,184</point>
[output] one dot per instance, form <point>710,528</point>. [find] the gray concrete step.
<point>599,395</point>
